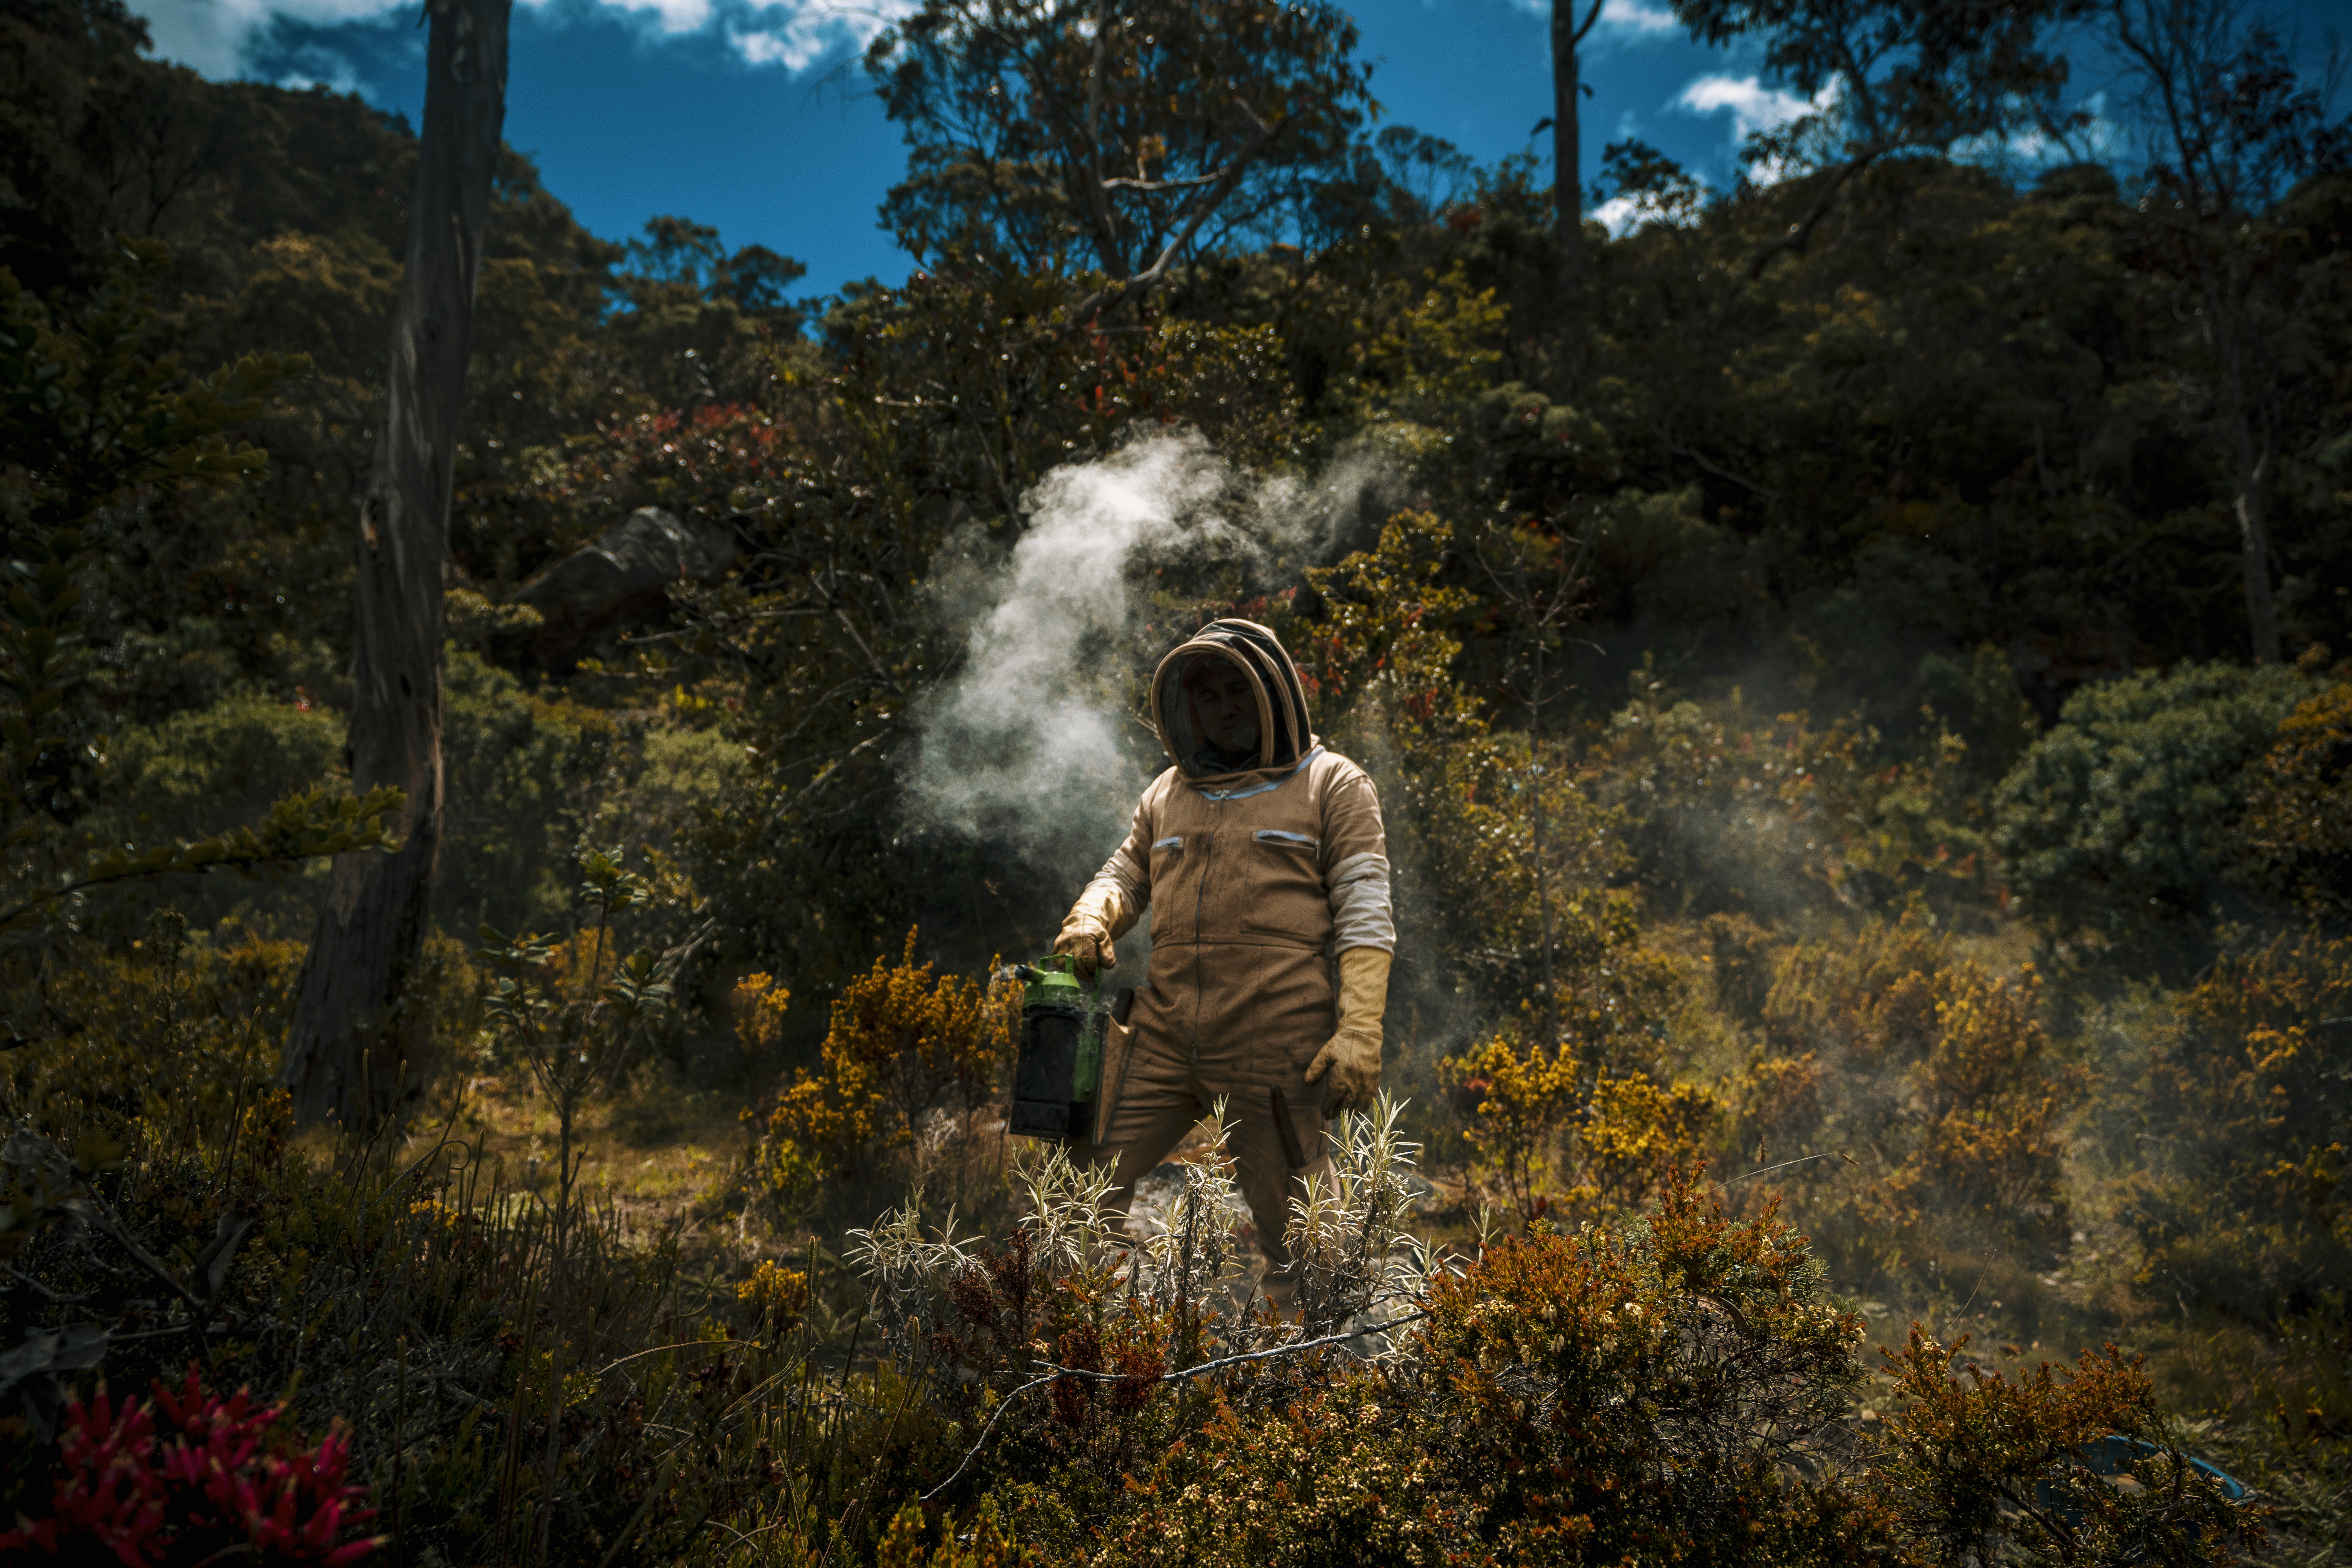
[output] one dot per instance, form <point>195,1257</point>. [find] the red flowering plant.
<point>206,1488</point>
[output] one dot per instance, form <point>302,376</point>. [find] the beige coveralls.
<point>1257,880</point>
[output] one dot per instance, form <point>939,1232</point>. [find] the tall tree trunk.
<point>2254,543</point>
<point>343,1053</point>
<point>2233,335</point>
<point>1567,149</point>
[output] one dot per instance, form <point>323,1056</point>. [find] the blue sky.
<point>752,117</point>
<point>745,118</point>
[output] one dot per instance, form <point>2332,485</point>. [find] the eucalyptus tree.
<point>2228,124</point>
<point>1886,78</point>
<point>1568,90</point>
<point>1129,136</point>
<point>343,1048</point>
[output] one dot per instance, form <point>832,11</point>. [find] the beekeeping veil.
<point>1283,735</point>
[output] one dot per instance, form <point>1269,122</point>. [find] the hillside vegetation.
<point>1870,1055</point>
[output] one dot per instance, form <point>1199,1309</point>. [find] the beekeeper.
<point>1263,853</point>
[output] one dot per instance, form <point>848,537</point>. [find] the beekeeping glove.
<point>1089,943</point>
<point>1352,1057</point>
<point>1096,920</point>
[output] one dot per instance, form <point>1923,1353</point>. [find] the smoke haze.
<point>1031,746</point>
<point>1025,747</point>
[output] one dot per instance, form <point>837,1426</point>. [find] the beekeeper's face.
<point>1224,708</point>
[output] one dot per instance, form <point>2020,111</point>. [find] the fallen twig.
<point>1225,1362</point>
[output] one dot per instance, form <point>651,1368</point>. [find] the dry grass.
<point>658,1152</point>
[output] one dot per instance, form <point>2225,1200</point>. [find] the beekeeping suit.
<point>1260,852</point>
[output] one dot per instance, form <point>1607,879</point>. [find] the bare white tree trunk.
<point>1566,145</point>
<point>2255,547</point>
<point>343,1053</point>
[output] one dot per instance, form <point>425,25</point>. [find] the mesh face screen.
<point>1184,739</point>
<point>1283,731</point>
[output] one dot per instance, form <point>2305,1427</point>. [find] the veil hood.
<point>1284,738</point>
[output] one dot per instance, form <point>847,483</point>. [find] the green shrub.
<point>186,775</point>
<point>2116,824</point>
<point>535,775</point>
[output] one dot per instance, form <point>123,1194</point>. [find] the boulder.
<point>620,578</point>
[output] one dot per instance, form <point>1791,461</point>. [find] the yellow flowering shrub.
<point>1908,1093</point>
<point>1993,1100</point>
<point>904,1043</point>
<point>2244,1201</point>
<point>775,1294</point>
<point>1519,1101</point>
<point>1548,1141</point>
<point>1633,1131</point>
<point>757,1005</point>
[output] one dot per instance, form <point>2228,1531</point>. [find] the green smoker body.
<point>1058,1069</point>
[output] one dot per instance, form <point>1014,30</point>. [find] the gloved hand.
<point>1104,909</point>
<point>1089,943</point>
<point>1352,1056</point>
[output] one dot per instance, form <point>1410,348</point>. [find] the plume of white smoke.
<point>1025,745</point>
<point>1029,746</point>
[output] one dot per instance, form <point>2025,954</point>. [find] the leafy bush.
<point>1995,1470</point>
<point>1920,1091</point>
<point>2241,1202</point>
<point>2116,822</point>
<point>2295,837</point>
<point>1771,819</point>
<point>904,1046</point>
<point>1562,1142</point>
<point>181,776</point>
<point>1064,1357</point>
<point>1667,1389</point>
<point>1642,1393</point>
<point>757,1003</point>
<point>161,1046</point>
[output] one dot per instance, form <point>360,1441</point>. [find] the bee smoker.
<point>1058,1071</point>
<point>1058,1066</point>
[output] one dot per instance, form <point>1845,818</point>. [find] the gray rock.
<point>622,577</point>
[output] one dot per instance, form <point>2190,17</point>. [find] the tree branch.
<point>1122,183</point>
<point>1094,304</point>
<point>1801,233</point>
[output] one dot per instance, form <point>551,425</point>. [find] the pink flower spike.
<point>126,1493</point>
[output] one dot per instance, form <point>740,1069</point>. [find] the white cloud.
<point>222,37</point>
<point>2022,154</point>
<point>1622,21</point>
<point>669,18</point>
<point>1621,215</point>
<point>812,32</point>
<point>1619,212</point>
<point>312,66</point>
<point>216,36</point>
<point>1753,106</point>
<point>1635,20</point>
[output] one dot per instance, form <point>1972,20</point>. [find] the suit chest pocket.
<point>1177,862</point>
<point>1286,900</point>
